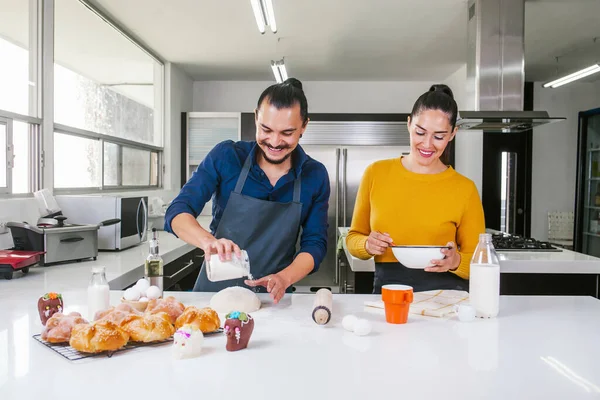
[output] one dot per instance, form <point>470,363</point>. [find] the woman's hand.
<point>450,262</point>
<point>377,243</point>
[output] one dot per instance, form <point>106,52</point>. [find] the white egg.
<point>348,322</point>
<point>153,292</point>
<point>142,285</point>
<point>144,299</point>
<point>132,294</point>
<point>362,327</point>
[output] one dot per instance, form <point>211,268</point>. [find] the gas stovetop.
<point>519,243</point>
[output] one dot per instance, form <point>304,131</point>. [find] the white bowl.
<point>418,257</point>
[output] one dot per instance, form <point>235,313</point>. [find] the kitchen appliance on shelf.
<point>132,211</point>
<point>587,196</point>
<point>15,260</point>
<point>61,242</point>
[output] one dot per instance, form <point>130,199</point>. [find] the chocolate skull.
<point>238,329</point>
<point>48,305</point>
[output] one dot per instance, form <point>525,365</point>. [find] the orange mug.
<point>396,299</point>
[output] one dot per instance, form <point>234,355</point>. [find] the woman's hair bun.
<point>442,88</point>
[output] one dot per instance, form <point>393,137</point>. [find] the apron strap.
<point>243,175</point>
<point>297,187</point>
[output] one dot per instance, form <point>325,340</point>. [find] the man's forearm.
<point>189,230</point>
<point>302,265</point>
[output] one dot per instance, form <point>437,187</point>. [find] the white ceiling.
<point>349,40</point>
<point>342,40</point>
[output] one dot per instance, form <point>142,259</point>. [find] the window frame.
<point>67,130</point>
<point>34,152</point>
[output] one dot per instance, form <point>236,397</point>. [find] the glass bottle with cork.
<point>154,263</point>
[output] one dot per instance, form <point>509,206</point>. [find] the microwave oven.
<point>93,209</point>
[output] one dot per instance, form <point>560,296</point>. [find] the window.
<point>76,162</point>
<point>129,166</point>
<point>19,95</point>
<point>109,93</point>
<point>18,76</point>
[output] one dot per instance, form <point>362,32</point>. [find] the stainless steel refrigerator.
<point>587,204</point>
<point>346,149</point>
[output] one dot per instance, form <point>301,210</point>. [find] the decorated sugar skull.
<point>238,329</point>
<point>48,305</point>
<point>187,342</point>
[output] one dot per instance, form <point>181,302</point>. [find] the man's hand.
<point>276,285</point>
<point>222,247</point>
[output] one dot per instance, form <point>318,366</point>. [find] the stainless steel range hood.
<point>496,69</point>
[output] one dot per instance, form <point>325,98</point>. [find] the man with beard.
<point>263,193</point>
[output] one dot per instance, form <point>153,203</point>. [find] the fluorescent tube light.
<point>279,70</point>
<point>574,76</point>
<point>260,20</point>
<point>264,14</point>
<point>275,69</point>
<point>269,14</point>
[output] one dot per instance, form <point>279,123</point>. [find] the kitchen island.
<point>538,347</point>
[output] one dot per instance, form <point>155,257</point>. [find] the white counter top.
<point>526,262</point>
<point>61,277</point>
<point>523,354</point>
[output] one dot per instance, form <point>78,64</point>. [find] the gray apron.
<point>267,230</point>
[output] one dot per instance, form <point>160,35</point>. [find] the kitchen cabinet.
<point>201,131</point>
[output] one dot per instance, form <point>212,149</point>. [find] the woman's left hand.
<point>450,262</point>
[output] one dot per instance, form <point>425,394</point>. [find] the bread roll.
<point>206,319</point>
<point>169,305</point>
<point>59,326</point>
<point>148,328</point>
<point>97,337</point>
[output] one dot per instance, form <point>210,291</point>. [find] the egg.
<point>153,292</point>
<point>348,322</point>
<point>142,285</point>
<point>362,327</point>
<point>132,294</point>
<point>144,299</point>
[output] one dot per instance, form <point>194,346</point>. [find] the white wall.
<point>555,150</point>
<point>323,97</point>
<point>179,98</point>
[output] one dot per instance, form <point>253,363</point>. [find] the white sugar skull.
<point>187,342</point>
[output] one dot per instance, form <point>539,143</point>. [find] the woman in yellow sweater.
<point>418,200</point>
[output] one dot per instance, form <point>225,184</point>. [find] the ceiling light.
<point>574,76</point>
<point>264,14</point>
<point>279,70</point>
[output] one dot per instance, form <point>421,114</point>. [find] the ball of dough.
<point>348,322</point>
<point>362,327</point>
<point>142,285</point>
<point>235,298</point>
<point>153,292</point>
<point>132,294</point>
